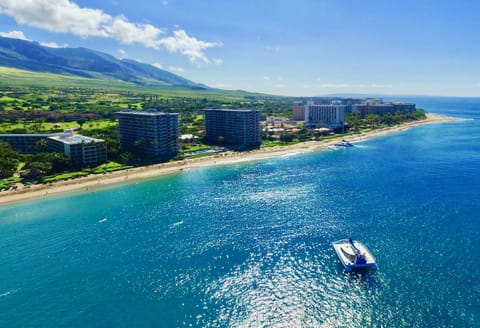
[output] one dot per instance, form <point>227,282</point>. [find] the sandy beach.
<point>94,182</point>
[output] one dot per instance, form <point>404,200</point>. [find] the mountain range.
<point>87,63</point>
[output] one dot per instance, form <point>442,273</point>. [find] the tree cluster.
<point>36,166</point>
<point>9,160</point>
<point>355,121</point>
<point>43,164</point>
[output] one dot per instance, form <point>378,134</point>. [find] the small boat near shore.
<point>344,143</point>
<point>354,255</point>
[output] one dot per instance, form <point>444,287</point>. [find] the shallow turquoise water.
<point>249,244</point>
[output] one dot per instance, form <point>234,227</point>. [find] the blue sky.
<point>298,47</point>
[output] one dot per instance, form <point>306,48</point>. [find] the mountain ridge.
<point>87,63</point>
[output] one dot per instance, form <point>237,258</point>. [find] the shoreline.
<point>97,181</point>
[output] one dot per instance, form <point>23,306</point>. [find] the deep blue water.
<point>249,244</point>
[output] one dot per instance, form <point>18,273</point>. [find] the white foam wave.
<point>13,291</point>
<point>176,224</point>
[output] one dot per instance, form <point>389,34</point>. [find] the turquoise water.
<point>249,244</point>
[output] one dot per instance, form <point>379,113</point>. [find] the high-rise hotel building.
<point>298,112</point>
<point>237,127</point>
<point>149,133</point>
<point>332,116</point>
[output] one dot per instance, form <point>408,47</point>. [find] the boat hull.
<point>344,143</point>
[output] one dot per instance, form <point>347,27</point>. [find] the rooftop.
<point>70,139</point>
<point>148,112</point>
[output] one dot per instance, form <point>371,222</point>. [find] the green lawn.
<point>190,148</point>
<point>65,176</point>
<point>98,124</point>
<point>48,127</point>
<point>199,155</point>
<point>6,99</point>
<point>103,168</point>
<point>109,167</point>
<point>266,143</point>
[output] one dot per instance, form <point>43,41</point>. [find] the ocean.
<point>249,245</point>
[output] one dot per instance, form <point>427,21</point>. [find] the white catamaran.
<point>354,255</point>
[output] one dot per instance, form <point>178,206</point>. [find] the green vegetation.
<point>49,127</point>
<point>43,167</point>
<point>9,182</point>
<point>198,156</point>
<point>101,169</point>
<point>42,164</point>
<point>109,167</point>
<point>191,147</point>
<point>22,79</point>
<point>64,176</point>
<point>356,123</point>
<point>268,143</point>
<point>9,160</point>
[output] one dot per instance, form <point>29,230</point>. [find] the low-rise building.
<point>27,143</point>
<point>82,150</point>
<point>276,120</point>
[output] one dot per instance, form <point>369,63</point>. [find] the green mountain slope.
<point>17,78</point>
<point>85,63</point>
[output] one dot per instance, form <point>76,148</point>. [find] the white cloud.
<point>57,16</point>
<point>176,69</point>
<point>65,16</point>
<point>122,52</point>
<point>53,45</point>
<point>157,65</point>
<point>121,29</point>
<point>14,35</point>
<point>186,45</point>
